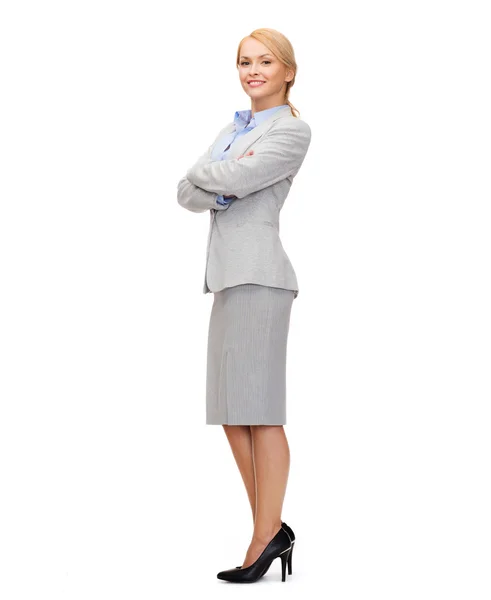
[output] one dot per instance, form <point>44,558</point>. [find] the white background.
<point>112,486</point>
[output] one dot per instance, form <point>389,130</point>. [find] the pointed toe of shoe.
<point>227,575</point>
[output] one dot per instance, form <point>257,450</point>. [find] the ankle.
<point>263,534</point>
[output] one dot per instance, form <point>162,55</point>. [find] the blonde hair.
<point>281,47</point>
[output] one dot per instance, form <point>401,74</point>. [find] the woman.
<point>244,179</point>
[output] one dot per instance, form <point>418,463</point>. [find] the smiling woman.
<point>260,69</point>
<point>244,179</point>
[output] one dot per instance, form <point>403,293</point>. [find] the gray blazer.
<point>244,245</point>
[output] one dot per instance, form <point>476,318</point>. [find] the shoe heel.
<point>284,558</point>
<point>290,560</point>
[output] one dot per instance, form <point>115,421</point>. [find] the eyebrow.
<point>258,56</point>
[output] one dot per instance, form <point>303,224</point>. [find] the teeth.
<point>256,83</point>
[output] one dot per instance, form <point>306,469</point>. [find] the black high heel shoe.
<point>279,546</point>
<point>291,535</point>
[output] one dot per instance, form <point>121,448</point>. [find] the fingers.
<point>248,154</point>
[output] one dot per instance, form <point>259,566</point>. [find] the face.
<point>267,69</point>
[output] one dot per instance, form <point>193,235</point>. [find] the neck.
<point>260,104</point>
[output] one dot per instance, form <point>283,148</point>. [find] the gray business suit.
<point>247,269</point>
<point>244,245</point>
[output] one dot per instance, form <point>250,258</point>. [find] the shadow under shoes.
<point>279,546</point>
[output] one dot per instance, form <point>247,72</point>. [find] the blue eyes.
<point>247,62</point>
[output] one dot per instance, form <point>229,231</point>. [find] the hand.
<point>248,154</point>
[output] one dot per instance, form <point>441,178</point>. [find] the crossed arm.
<point>277,156</point>
<point>196,199</point>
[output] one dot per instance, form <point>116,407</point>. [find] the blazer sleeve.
<point>196,199</point>
<point>278,155</point>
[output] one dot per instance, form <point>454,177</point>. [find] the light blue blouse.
<point>243,124</point>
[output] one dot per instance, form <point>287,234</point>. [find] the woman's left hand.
<point>248,154</point>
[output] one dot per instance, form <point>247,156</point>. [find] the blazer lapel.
<point>245,141</point>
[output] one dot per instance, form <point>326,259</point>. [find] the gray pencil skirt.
<point>246,356</point>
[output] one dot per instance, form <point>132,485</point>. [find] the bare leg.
<point>271,455</point>
<point>239,437</point>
